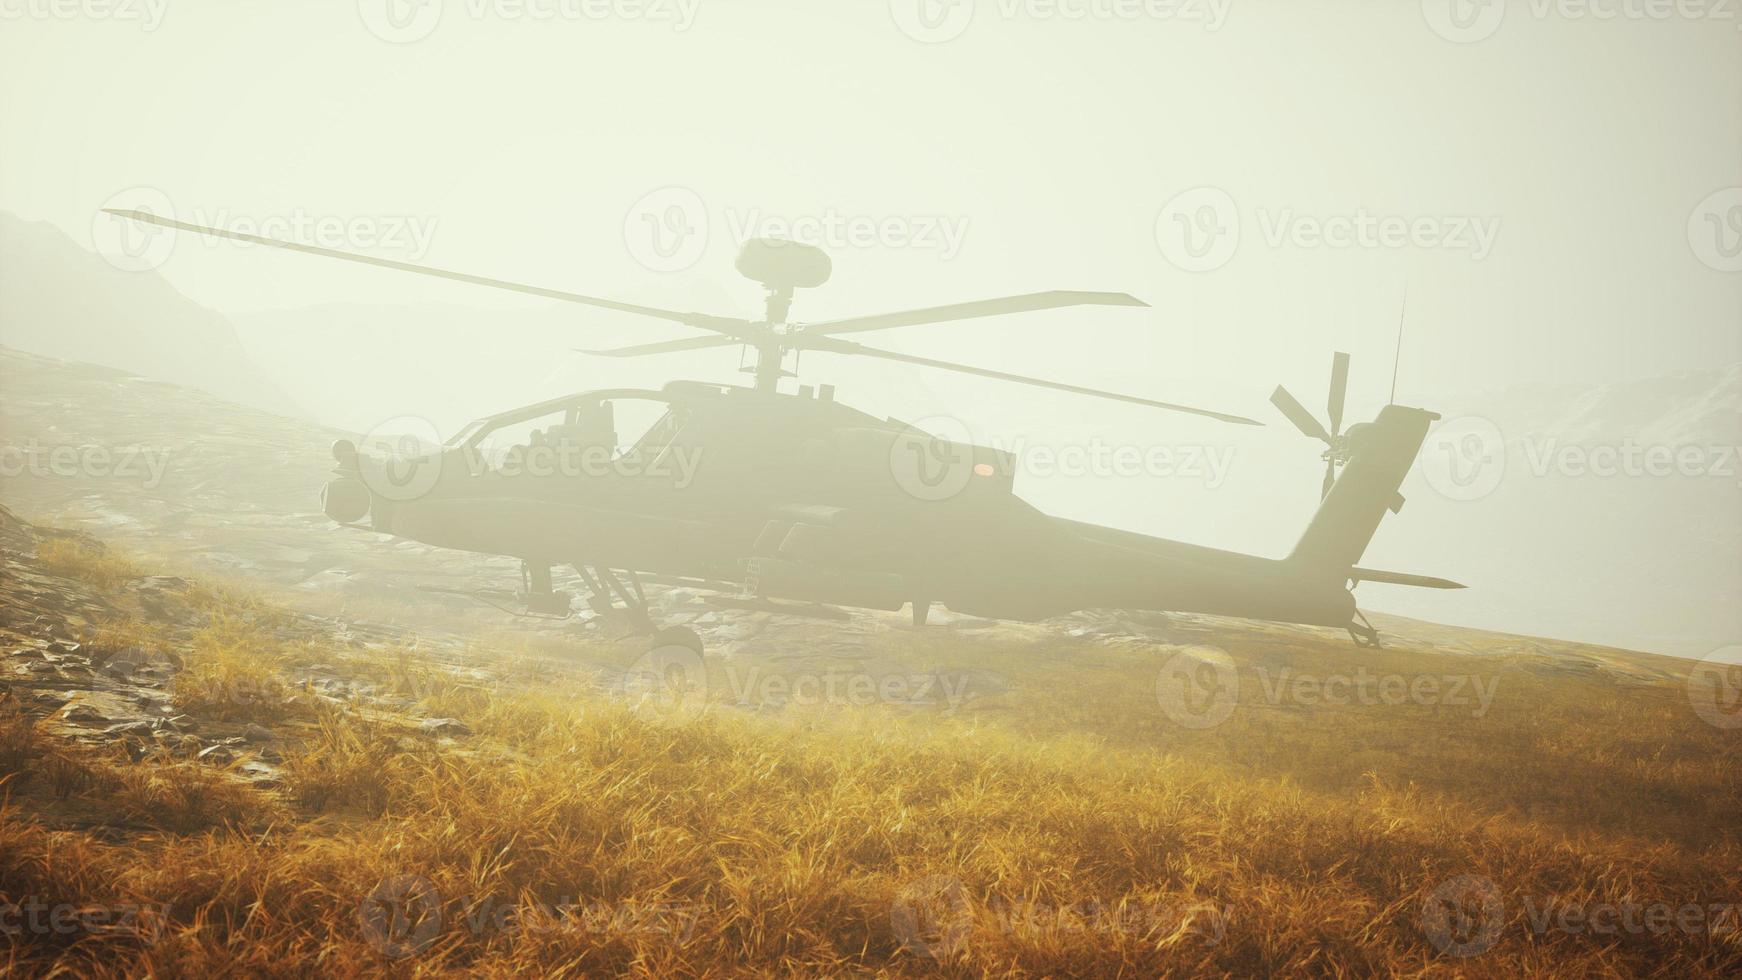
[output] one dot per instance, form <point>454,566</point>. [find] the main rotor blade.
<point>973,310</point>
<point>664,347</point>
<point>1339,388</point>
<point>848,347</point>
<point>718,324</point>
<point>1297,413</point>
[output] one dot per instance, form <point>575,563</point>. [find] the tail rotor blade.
<point>1297,413</point>
<point>1339,388</point>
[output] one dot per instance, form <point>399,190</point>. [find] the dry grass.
<point>1068,827</point>
<point>84,560</point>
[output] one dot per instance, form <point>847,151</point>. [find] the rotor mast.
<point>781,267</point>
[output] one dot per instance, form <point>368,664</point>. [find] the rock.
<point>254,733</point>
<point>143,728</point>
<point>63,646</point>
<point>217,754</point>
<point>84,714</point>
<point>452,727</point>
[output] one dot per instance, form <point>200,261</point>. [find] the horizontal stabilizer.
<point>1402,578</point>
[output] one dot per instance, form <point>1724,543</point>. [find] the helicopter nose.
<point>345,499</point>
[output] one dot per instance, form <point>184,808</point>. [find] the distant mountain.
<point>1687,408</point>
<point>1617,515</point>
<point>59,300</point>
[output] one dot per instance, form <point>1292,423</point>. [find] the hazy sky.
<point>1542,171</point>
<point>1554,182</point>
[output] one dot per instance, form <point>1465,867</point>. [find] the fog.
<point>1545,201</point>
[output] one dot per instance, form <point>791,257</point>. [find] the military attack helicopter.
<point>796,502</point>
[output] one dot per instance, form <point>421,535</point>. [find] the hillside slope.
<point>60,300</point>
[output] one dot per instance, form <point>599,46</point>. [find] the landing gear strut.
<point>607,588</point>
<point>921,609</point>
<point>540,597</point>
<point>1363,633</point>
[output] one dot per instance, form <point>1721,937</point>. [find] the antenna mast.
<point>1397,356</point>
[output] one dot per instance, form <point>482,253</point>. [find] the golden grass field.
<point>1104,810</point>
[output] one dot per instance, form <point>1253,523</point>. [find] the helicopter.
<point>796,502</point>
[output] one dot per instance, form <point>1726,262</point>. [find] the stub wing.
<point>1402,578</point>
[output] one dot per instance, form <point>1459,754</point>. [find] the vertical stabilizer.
<point>1379,455</point>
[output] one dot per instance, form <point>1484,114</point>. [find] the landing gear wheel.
<point>1363,633</point>
<point>676,636</point>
